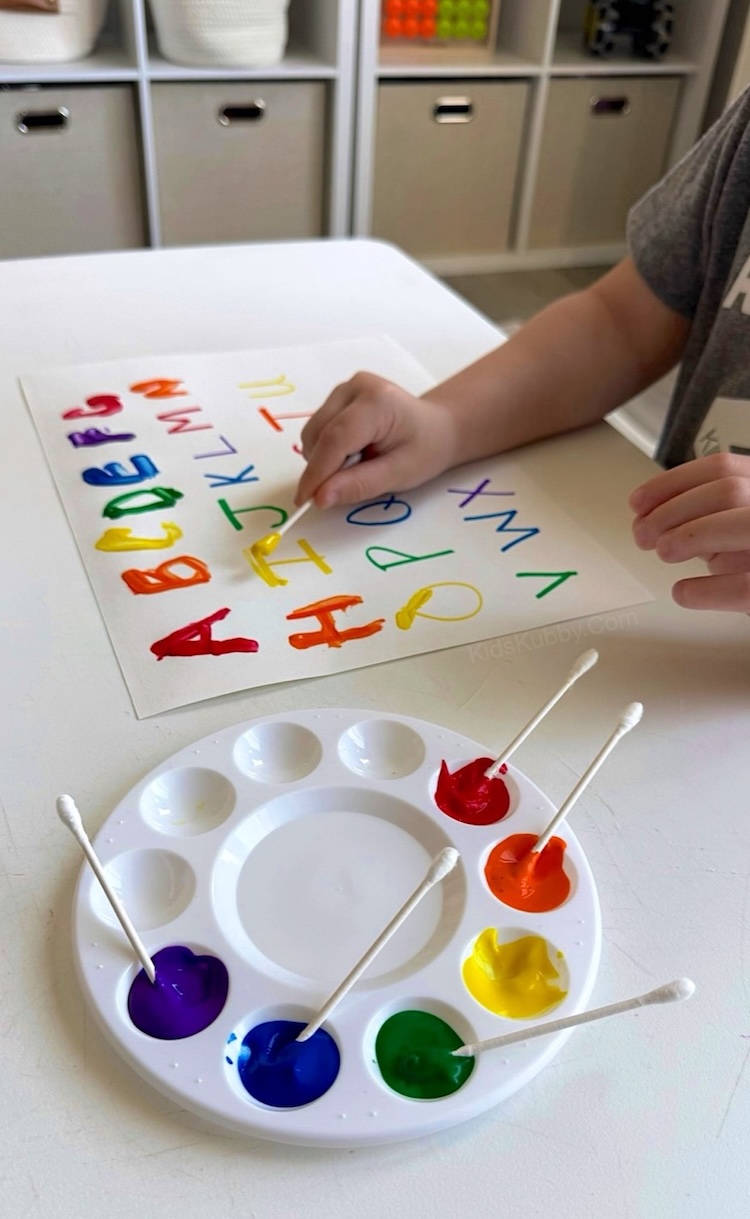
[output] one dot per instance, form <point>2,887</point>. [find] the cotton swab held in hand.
<point>70,816</point>
<point>581,666</point>
<point>629,718</point>
<point>671,992</point>
<point>268,543</point>
<point>443,863</point>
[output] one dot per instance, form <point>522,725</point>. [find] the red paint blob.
<point>466,795</point>
<point>535,883</point>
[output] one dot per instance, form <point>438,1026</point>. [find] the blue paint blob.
<point>188,994</point>
<point>279,1071</point>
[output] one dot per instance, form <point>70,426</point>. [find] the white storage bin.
<point>39,37</point>
<point>222,33</point>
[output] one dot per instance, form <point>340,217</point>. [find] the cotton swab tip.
<point>583,664</point>
<point>672,992</point>
<point>442,864</point>
<point>265,545</point>
<point>68,813</point>
<point>630,716</point>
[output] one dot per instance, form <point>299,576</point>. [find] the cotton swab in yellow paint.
<point>443,863</point>
<point>581,666</point>
<point>268,543</point>
<point>70,816</point>
<point>671,992</point>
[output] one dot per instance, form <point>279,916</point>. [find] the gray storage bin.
<point>71,178</point>
<point>240,162</point>
<point>446,164</point>
<point>605,142</point>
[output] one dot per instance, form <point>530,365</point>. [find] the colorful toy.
<point>439,21</point>
<point>648,23</point>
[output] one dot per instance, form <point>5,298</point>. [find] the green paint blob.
<point>413,1051</point>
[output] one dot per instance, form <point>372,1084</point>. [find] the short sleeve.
<point>670,231</point>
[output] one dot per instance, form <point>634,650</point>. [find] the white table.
<point>646,1117</point>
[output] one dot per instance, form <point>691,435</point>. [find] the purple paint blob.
<point>188,994</point>
<point>279,1071</point>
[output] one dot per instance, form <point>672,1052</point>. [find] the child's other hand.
<point>404,441</point>
<point>701,510</point>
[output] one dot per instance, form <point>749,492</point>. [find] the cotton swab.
<point>268,543</point>
<point>581,666</point>
<point>629,718</point>
<point>442,864</point>
<point>70,816</point>
<point>671,992</point>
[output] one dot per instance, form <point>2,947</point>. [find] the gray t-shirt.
<point>690,240</point>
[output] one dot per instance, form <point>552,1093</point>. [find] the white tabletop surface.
<point>645,1116</point>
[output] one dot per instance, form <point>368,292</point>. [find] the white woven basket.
<point>222,33</point>
<point>29,37</point>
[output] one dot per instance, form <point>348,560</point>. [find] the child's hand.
<point>701,510</point>
<point>404,441</point>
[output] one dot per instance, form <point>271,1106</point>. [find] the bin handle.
<point>249,112</point>
<point>453,110</point>
<point>29,121</point>
<point>609,105</point>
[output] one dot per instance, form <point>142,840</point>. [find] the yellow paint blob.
<point>265,545</point>
<point>514,979</point>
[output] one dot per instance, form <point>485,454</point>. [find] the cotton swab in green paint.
<point>671,992</point>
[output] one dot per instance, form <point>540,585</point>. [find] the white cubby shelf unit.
<point>539,43</point>
<point>322,47</point>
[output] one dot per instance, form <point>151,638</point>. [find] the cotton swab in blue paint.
<point>581,666</point>
<point>671,992</point>
<point>443,863</point>
<point>70,817</point>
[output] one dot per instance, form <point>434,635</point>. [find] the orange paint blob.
<point>534,883</point>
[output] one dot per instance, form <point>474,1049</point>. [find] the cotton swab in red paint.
<point>443,863</point>
<point>581,666</point>
<point>671,992</point>
<point>70,816</point>
<point>629,718</point>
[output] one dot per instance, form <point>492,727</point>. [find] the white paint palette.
<point>282,847</point>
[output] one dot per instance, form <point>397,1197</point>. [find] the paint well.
<point>536,883</point>
<point>279,1071</point>
<point>517,979</point>
<point>189,993</point>
<point>467,795</point>
<point>413,1052</point>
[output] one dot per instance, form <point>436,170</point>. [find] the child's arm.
<point>568,367</point>
<point>701,510</point>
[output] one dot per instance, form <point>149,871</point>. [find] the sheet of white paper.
<point>479,553</point>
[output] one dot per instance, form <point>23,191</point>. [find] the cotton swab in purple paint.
<point>70,817</point>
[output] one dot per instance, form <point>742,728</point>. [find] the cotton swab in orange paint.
<point>268,543</point>
<point>581,666</point>
<point>68,813</point>
<point>671,992</point>
<point>629,718</point>
<point>443,863</point>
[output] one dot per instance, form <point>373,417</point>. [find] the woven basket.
<point>222,33</point>
<point>38,37</point>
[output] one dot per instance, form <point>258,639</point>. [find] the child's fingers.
<point>366,481</point>
<point>703,539</point>
<point>728,564</point>
<point>338,399</point>
<point>683,478</point>
<point>700,501</point>
<point>357,428</point>
<point>727,592</point>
